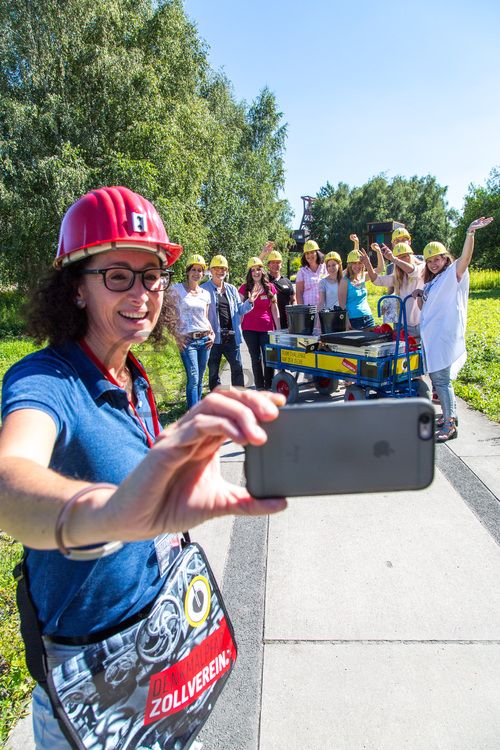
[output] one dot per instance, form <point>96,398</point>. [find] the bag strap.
<point>36,656</point>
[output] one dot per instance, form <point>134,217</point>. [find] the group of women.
<point>435,303</point>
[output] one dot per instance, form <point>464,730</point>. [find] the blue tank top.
<point>357,302</point>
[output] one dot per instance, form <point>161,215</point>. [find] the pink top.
<point>311,281</point>
<point>259,318</point>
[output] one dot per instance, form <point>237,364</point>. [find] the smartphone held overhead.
<point>327,449</point>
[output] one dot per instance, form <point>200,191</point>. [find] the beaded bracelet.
<point>88,553</point>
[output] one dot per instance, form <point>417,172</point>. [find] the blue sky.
<point>368,87</point>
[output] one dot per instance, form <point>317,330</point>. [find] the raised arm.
<point>354,238</point>
<point>380,258</point>
<point>268,247</point>
<point>463,262</point>
<point>368,264</point>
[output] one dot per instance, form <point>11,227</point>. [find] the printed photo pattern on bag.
<point>154,684</point>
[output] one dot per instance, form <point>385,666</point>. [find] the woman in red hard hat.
<point>83,459</point>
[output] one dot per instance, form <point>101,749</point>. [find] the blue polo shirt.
<point>98,440</point>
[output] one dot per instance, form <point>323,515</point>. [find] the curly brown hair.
<point>52,315</point>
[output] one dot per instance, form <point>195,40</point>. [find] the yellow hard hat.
<point>434,248</point>
<point>402,248</point>
<point>254,261</point>
<point>333,256</point>
<point>196,260</point>
<point>274,255</point>
<point>401,233</point>
<point>354,257</point>
<point>310,246</point>
<point>219,261</point>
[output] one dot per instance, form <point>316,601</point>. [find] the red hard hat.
<point>111,218</point>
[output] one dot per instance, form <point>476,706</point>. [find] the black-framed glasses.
<point>118,279</point>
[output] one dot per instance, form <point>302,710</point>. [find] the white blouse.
<point>443,321</point>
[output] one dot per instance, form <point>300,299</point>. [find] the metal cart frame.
<point>394,375</point>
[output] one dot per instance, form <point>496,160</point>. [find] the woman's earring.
<point>80,303</point>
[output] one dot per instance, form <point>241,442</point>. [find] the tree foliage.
<point>482,201</point>
<point>418,202</point>
<point>96,92</point>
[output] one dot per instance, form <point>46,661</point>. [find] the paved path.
<point>364,622</point>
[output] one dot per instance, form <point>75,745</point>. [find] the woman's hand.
<point>388,254</point>
<point>268,247</point>
<point>479,223</point>
<point>178,484</point>
<point>255,293</point>
<point>211,340</point>
<point>365,260</point>
<point>181,341</point>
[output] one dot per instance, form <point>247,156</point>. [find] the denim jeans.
<point>233,355</point>
<point>441,382</point>
<point>46,731</point>
<point>365,321</point>
<point>256,342</point>
<point>194,358</point>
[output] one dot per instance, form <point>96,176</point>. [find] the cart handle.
<point>402,319</point>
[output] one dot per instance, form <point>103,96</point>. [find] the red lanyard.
<point>151,401</point>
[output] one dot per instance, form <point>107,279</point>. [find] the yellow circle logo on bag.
<point>197,601</point>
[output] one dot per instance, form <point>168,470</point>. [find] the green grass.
<point>484,280</point>
<point>479,381</point>
<point>15,683</point>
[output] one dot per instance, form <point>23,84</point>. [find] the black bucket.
<point>332,321</point>
<point>301,319</point>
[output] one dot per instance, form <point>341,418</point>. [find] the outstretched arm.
<point>380,258</point>
<point>177,485</point>
<point>463,262</point>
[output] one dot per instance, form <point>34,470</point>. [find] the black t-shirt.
<point>224,311</point>
<point>285,292</point>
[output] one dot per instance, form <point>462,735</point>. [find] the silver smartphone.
<point>326,449</point>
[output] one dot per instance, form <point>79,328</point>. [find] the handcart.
<point>380,369</point>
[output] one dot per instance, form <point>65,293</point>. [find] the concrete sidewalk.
<point>380,626</point>
<point>364,622</point>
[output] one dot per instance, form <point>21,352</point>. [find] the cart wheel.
<point>354,393</point>
<point>422,388</point>
<point>326,386</point>
<point>286,384</point>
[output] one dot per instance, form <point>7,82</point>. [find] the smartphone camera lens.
<point>425,426</point>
